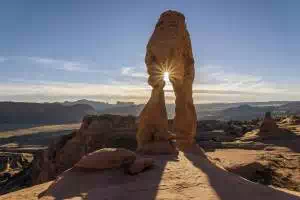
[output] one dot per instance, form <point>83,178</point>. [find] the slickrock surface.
<point>107,158</point>
<point>277,166</point>
<point>186,176</point>
<point>28,193</point>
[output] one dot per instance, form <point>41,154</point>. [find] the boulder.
<point>107,158</point>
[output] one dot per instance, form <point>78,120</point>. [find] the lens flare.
<point>166,76</point>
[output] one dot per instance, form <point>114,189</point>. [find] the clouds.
<point>65,65</point>
<point>137,72</point>
<point>212,83</point>
<point>56,64</point>
<point>61,91</point>
<point>69,91</point>
<point>222,79</point>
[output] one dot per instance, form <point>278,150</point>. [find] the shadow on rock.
<point>229,186</point>
<point>110,183</point>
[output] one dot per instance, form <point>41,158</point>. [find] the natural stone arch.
<point>169,49</point>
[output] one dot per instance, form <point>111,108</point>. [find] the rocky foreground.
<point>267,157</point>
<point>182,176</point>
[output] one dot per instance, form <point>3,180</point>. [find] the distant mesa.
<point>99,106</point>
<point>126,103</point>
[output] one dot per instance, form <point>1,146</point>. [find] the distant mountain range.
<point>69,112</point>
<point>98,105</point>
<point>218,111</point>
<point>290,108</point>
<point>42,113</point>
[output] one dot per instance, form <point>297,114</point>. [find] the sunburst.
<point>166,76</point>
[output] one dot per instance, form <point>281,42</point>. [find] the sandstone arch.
<point>169,49</point>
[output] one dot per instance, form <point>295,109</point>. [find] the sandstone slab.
<point>107,158</point>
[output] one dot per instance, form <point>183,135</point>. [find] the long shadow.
<point>110,184</point>
<point>229,186</point>
<point>266,175</point>
<point>284,138</point>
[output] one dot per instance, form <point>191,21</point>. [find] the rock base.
<point>158,147</point>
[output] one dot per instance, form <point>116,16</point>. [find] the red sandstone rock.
<point>169,50</point>
<point>107,158</point>
<point>159,147</point>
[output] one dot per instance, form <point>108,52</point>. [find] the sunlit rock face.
<point>96,132</point>
<point>169,50</point>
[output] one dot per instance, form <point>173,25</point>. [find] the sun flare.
<point>166,76</point>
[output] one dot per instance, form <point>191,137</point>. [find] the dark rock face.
<point>269,126</point>
<point>13,160</point>
<point>15,169</point>
<point>96,132</point>
<point>223,131</point>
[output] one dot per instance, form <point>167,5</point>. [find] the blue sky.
<point>245,50</point>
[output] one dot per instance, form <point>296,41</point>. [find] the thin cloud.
<point>112,93</point>
<point>217,78</point>
<point>126,70</point>
<point>136,72</point>
<point>65,65</point>
<point>212,84</point>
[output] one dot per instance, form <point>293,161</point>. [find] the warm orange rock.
<point>153,125</point>
<point>107,158</point>
<point>159,147</point>
<point>169,49</point>
<point>96,132</point>
<point>182,176</point>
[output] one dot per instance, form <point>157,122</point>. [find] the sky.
<point>244,50</point>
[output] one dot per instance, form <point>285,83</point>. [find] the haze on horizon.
<point>68,50</point>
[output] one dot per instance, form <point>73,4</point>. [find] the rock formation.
<point>107,158</point>
<point>291,120</point>
<point>192,176</point>
<point>169,50</point>
<point>96,132</point>
<point>14,171</point>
